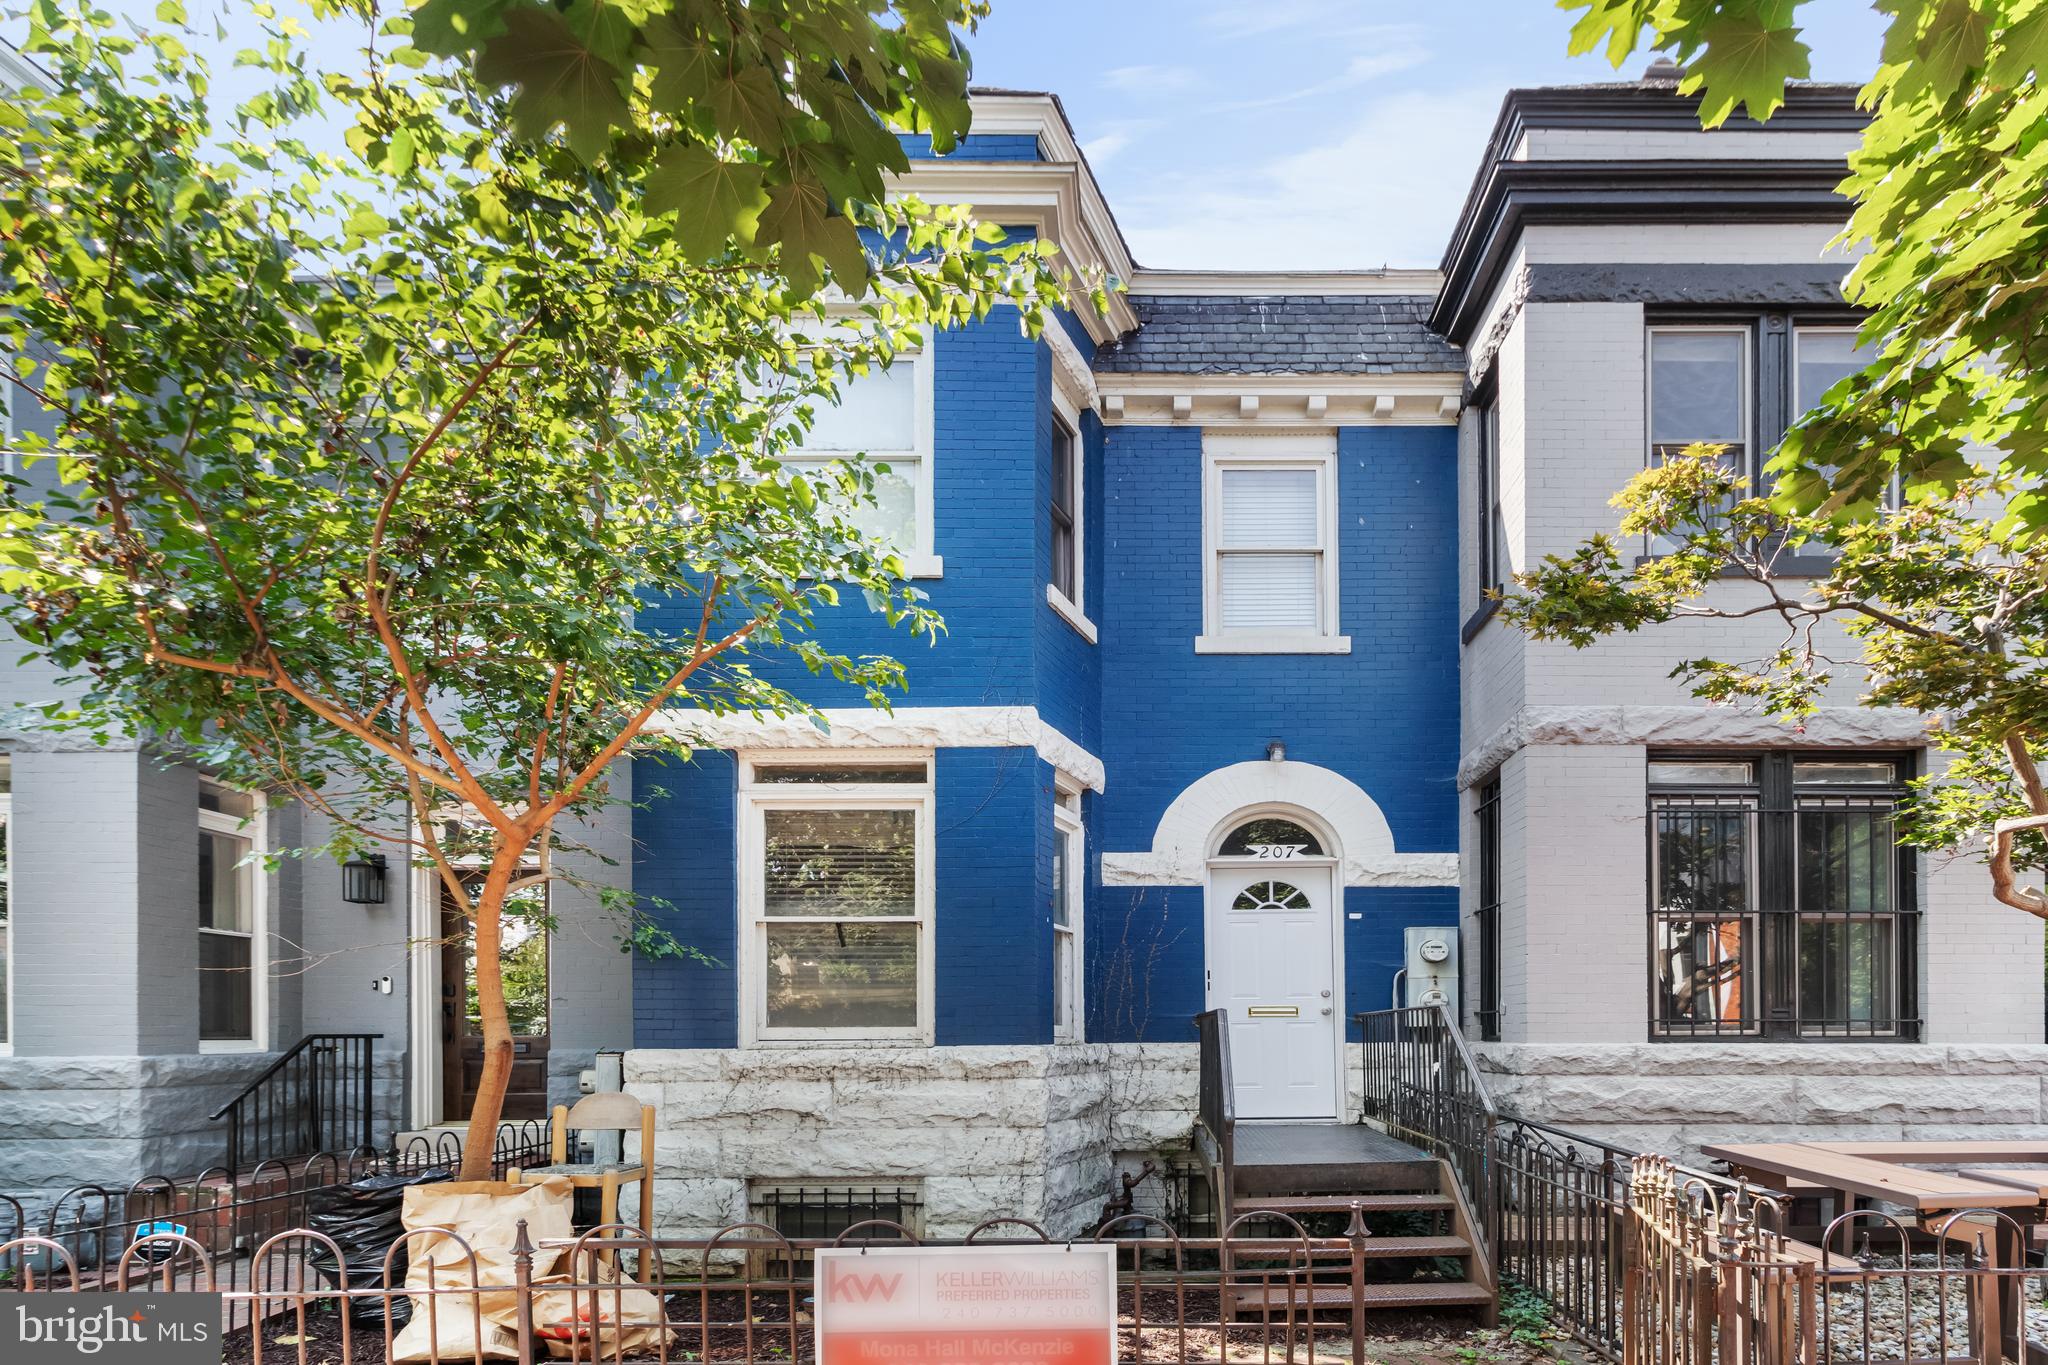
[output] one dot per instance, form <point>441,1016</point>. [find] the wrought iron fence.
<point>225,1211</point>
<point>1651,1263</point>
<point>1267,1294</point>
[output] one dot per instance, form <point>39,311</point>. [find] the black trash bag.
<point>364,1217</point>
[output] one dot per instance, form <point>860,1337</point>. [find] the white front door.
<point>1271,966</point>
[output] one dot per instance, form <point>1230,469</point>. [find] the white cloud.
<point>1149,80</point>
<point>1384,192</point>
<point>1362,69</point>
<point>1100,149</point>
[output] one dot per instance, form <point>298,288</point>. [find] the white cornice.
<point>1279,400</point>
<point>1070,369</point>
<point>1058,201</point>
<point>1249,283</point>
<point>907,727</point>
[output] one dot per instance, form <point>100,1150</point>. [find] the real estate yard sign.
<point>1010,1305</point>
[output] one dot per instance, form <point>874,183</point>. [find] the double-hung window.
<point>1065,514</point>
<point>1781,903</point>
<point>1269,528</point>
<point>886,415</point>
<point>1068,847</point>
<point>1699,394</point>
<point>231,964</point>
<point>1493,528</point>
<point>836,886</point>
<point>1823,356</point>
<point>1741,382</point>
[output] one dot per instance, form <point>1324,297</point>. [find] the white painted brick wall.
<point>1574,875</point>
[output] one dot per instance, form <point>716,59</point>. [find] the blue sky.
<point>1282,134</point>
<point>1306,134</point>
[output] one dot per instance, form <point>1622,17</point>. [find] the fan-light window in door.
<point>1271,836</point>
<point>1270,896</point>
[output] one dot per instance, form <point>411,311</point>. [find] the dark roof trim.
<point>1505,194</point>
<point>1515,194</point>
<point>1793,285</point>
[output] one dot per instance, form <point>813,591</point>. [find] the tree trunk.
<point>479,1144</point>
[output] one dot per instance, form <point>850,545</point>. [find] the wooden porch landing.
<point>1325,1158</point>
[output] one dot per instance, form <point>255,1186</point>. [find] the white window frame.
<point>1067,827</point>
<point>756,798</point>
<point>255,830</point>
<point>923,559</point>
<point>1073,610</point>
<point>1222,452</point>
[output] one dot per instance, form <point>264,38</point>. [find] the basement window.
<point>827,1211</point>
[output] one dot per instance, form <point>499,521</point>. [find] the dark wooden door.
<point>523,960</point>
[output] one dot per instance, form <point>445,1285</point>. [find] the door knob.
<point>1326,1009</point>
<point>1326,995</point>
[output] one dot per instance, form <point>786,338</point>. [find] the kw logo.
<point>847,1286</point>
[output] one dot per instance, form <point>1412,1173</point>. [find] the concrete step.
<point>1340,1203</point>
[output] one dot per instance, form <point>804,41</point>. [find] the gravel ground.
<point>1884,1303</point>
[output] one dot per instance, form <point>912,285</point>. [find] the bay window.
<point>230,909</point>
<point>836,887</point>
<point>1781,902</point>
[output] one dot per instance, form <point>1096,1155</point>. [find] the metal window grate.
<point>1781,905</point>
<point>827,1211</point>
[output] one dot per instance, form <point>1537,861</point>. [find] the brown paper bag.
<point>486,1215</point>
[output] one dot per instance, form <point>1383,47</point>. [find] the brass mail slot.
<point>1273,1011</point>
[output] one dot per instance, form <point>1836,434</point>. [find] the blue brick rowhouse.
<point>1222,720</point>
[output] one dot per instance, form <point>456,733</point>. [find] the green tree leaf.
<point>715,201</point>
<point>560,78</point>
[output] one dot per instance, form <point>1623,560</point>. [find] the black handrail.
<point>1422,1084</point>
<point>1216,1114</point>
<point>314,1098</point>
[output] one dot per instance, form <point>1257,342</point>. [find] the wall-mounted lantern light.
<point>362,880</point>
<point>1276,752</point>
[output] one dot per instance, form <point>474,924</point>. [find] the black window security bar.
<point>1781,904</point>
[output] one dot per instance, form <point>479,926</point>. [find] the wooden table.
<point>1877,1170</point>
<point>1834,1166</point>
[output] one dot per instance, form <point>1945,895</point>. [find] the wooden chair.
<point>611,1112</point>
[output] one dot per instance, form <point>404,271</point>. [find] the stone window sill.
<point>1272,642</point>
<point>1070,613</point>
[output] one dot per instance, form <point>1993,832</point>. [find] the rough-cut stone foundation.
<point>1026,1132</point>
<point>1021,1132</point>
<point>1675,1098</point>
<point>110,1121</point>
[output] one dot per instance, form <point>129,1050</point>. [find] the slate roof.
<point>1281,334</point>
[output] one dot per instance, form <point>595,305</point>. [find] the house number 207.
<point>1276,852</point>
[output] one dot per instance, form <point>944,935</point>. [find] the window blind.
<point>1268,509</point>
<point>1268,592</point>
